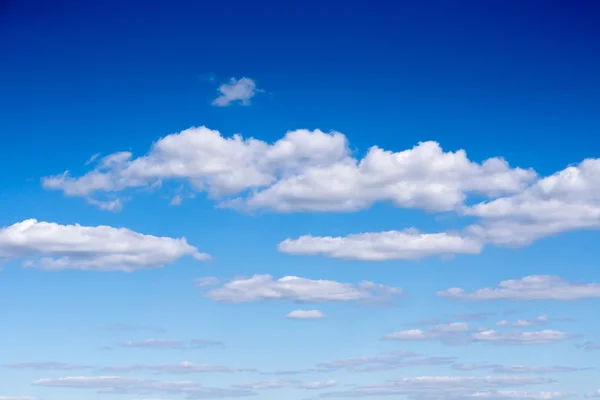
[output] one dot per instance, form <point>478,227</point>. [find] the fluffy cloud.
<point>518,338</point>
<point>437,387</point>
<point>303,171</point>
<point>318,385</point>
<point>533,287</point>
<point>407,244</point>
<point>306,314</point>
<point>133,386</point>
<point>264,287</point>
<point>51,246</point>
<point>541,320</point>
<point>565,201</point>
<point>237,90</point>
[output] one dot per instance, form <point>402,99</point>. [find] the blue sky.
<point>408,210</point>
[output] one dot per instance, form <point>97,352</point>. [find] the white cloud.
<point>118,385</point>
<point>588,346</point>
<point>533,287</point>
<point>407,244</point>
<point>275,384</point>
<point>182,368</point>
<point>318,385</point>
<point>565,201</point>
<point>171,344</point>
<point>392,360</point>
<point>51,246</point>
<point>439,387</point>
<point>594,394</point>
<point>520,395</point>
<point>241,90</point>
<point>17,398</point>
<point>46,366</point>
<point>303,171</point>
<point>521,338</point>
<point>517,369</point>
<point>541,320</point>
<point>306,314</point>
<point>264,287</point>
<point>453,331</point>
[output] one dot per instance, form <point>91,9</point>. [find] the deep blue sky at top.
<point>507,78</point>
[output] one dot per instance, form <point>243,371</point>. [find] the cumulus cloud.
<point>533,287</point>
<point>117,385</point>
<point>52,246</point>
<point>521,338</point>
<point>236,90</point>
<point>303,171</point>
<point>264,287</point>
<point>305,314</point>
<point>408,244</point>
<point>565,201</point>
<point>450,387</point>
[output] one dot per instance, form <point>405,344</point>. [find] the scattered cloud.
<point>521,338</point>
<point>517,369</point>
<point>46,366</point>
<point>318,385</point>
<point>182,368</point>
<point>305,314</point>
<point>236,90</point>
<point>51,246</point>
<point>408,244</point>
<point>533,287</point>
<point>594,394</point>
<point>392,360</point>
<point>275,384</point>
<point>449,332</point>
<point>17,398</point>
<point>293,288</point>
<point>541,320</point>
<point>117,385</point>
<point>171,344</point>
<point>450,387</point>
<point>588,346</point>
<point>205,282</point>
<point>521,395</point>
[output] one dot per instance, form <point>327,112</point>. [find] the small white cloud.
<point>521,338</point>
<point>533,287</point>
<point>101,248</point>
<point>264,287</point>
<point>594,394</point>
<point>446,332</point>
<point>208,281</point>
<point>318,385</point>
<point>171,344</point>
<point>17,398</point>
<point>408,244</point>
<point>46,366</point>
<point>276,384</point>
<point>306,314</point>
<point>541,320</point>
<point>237,90</point>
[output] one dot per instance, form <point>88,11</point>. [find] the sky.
<point>299,200</point>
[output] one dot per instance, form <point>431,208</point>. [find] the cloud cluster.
<point>533,287</point>
<point>293,288</point>
<point>442,387</point>
<point>132,386</point>
<point>52,246</point>
<point>303,171</point>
